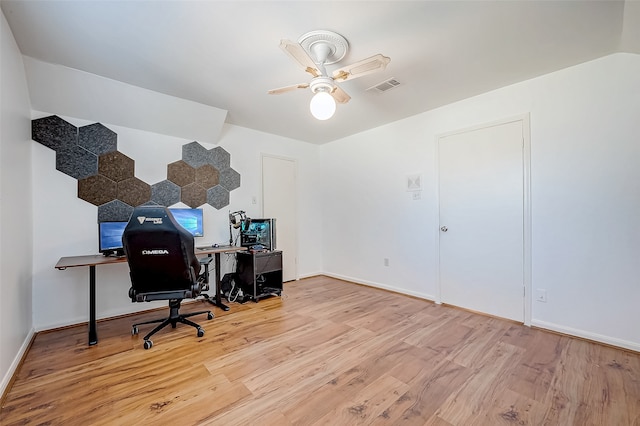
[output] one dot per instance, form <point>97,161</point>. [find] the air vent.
<point>385,85</point>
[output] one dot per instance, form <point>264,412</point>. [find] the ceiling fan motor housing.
<point>322,84</point>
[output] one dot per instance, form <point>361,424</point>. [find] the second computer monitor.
<point>189,219</point>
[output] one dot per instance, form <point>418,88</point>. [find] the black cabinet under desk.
<point>259,274</point>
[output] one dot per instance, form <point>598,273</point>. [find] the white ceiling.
<point>225,54</point>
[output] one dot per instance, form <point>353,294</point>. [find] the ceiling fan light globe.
<point>322,105</point>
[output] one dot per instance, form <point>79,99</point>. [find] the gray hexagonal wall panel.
<point>218,197</point>
<point>76,162</point>
<point>230,179</point>
<point>195,155</point>
<point>220,159</point>
<point>54,132</point>
<point>165,193</point>
<point>114,211</point>
<point>97,139</point>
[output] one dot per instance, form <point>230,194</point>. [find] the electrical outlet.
<point>541,295</point>
<point>386,261</point>
<point>254,200</point>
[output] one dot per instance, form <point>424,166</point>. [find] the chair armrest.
<point>204,277</point>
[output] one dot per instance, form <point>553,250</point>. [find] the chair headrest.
<point>152,218</point>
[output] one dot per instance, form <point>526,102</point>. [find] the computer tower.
<point>259,231</point>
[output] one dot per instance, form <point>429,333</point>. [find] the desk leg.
<point>93,333</point>
<point>219,303</point>
<point>217,300</point>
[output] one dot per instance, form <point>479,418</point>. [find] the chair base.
<point>174,318</point>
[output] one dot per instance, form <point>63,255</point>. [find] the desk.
<point>97,259</point>
<point>208,250</point>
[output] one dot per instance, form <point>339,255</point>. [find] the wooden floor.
<point>332,353</point>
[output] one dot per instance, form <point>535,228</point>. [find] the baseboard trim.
<point>9,376</point>
<point>594,337</point>
<point>309,275</point>
<point>415,294</point>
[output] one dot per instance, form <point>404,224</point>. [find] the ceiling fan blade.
<point>300,56</point>
<point>366,66</point>
<point>340,95</point>
<point>286,89</point>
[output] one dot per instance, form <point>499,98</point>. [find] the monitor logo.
<point>154,220</point>
<point>155,252</point>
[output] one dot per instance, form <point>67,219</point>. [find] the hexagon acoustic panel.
<point>106,177</point>
<point>114,211</point>
<point>165,193</point>
<point>230,179</point>
<point>195,154</point>
<point>181,173</point>
<point>134,192</point>
<point>207,176</point>
<point>97,138</point>
<point>218,197</point>
<point>220,159</point>
<point>97,190</point>
<point>54,132</point>
<point>193,195</point>
<point>116,166</point>
<point>76,161</point>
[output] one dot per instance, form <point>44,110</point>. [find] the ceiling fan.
<point>313,51</point>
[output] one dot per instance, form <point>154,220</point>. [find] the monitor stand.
<point>114,253</point>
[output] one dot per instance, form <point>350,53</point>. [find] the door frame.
<point>526,204</point>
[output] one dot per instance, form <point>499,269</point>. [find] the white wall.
<point>585,189</point>
<point>15,207</point>
<point>65,225</point>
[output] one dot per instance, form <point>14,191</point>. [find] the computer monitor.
<point>259,231</point>
<point>189,219</point>
<point>110,237</point>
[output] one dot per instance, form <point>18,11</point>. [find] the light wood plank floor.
<point>328,353</point>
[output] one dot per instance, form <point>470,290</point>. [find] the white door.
<point>482,220</point>
<point>279,189</point>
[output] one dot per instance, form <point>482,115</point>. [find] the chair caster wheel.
<point>209,316</point>
<point>134,331</point>
<point>147,344</point>
<point>200,332</point>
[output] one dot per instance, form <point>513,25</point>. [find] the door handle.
<point>444,229</point>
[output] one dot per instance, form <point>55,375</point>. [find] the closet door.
<point>481,199</point>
